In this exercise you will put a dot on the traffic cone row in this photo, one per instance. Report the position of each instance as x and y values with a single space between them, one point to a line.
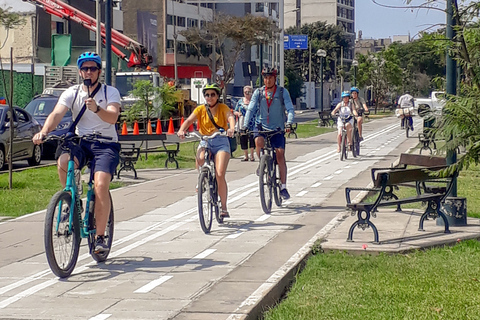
135 128
158 127
170 127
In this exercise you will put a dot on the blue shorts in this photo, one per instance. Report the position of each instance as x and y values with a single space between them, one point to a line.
277 139
105 156
219 143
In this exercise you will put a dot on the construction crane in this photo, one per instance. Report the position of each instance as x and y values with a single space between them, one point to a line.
139 57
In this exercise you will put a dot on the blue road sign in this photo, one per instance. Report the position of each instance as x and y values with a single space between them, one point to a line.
286 42
298 41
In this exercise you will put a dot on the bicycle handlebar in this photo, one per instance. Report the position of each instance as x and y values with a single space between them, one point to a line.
224 133
71 137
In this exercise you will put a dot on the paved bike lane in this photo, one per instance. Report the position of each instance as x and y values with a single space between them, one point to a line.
162 266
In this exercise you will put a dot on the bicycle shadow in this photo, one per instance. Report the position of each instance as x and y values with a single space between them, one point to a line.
117 266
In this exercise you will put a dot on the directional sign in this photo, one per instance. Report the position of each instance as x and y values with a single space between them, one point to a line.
298 41
286 42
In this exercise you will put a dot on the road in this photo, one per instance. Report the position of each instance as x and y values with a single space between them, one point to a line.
162 266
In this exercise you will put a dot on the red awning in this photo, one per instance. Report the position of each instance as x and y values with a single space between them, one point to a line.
185 72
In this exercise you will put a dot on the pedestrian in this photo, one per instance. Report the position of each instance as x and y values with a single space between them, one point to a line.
246 137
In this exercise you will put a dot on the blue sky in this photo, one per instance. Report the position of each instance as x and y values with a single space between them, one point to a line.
379 22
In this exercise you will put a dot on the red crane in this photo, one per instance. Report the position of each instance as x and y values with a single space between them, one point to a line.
139 56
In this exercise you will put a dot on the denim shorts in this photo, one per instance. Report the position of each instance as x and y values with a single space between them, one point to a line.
105 156
219 143
277 141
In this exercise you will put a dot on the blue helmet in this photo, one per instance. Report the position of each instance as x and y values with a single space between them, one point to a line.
345 94
352 89
89 56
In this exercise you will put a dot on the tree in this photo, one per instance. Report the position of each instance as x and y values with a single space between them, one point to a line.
9 20
321 36
230 35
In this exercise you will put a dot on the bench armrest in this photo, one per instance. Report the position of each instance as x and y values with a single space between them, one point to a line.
348 190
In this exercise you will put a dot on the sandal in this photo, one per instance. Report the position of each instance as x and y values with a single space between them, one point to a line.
245 159
224 214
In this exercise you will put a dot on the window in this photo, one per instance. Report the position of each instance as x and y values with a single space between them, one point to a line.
191 23
181 21
203 24
21 116
169 44
259 7
170 19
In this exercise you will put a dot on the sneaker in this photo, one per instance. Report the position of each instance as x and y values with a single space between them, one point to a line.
284 194
411 128
100 245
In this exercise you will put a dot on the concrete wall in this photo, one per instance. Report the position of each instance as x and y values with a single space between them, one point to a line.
20 39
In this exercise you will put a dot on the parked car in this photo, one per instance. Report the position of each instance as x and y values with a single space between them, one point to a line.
24 128
40 107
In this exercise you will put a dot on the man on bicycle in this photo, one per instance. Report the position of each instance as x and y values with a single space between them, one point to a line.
406 102
360 106
269 103
102 107
345 111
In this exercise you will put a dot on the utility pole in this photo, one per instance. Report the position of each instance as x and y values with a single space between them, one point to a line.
98 34
451 69
108 42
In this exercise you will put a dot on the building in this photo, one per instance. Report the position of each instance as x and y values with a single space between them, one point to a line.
336 12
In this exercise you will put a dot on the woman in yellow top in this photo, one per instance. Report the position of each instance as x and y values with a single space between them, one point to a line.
220 145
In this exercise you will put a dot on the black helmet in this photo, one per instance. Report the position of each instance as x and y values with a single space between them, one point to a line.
267 71
212 86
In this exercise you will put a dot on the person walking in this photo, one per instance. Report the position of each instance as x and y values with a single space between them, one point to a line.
101 105
268 105
246 138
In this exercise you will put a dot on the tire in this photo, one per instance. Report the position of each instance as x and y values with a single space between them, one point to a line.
407 127
62 246
36 156
216 201
205 205
2 158
265 183
276 188
356 144
343 153
100 257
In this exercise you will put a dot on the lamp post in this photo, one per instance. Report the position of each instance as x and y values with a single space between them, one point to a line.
355 65
322 54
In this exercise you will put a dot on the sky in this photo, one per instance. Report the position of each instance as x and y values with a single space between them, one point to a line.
380 22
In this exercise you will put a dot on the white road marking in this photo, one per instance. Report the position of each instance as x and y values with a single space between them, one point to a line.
153 284
316 185
202 255
328 178
338 171
101 316
263 218
301 193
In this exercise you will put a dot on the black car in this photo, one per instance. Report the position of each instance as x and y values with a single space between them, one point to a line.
24 128
40 107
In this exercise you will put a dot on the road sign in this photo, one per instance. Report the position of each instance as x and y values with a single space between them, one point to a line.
298 41
286 42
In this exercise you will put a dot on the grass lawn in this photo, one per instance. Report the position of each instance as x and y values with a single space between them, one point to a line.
441 283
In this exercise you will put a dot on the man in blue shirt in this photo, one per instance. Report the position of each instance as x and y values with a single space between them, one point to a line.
268 105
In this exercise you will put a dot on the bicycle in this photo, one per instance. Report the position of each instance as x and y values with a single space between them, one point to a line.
356 135
344 140
66 223
208 199
269 174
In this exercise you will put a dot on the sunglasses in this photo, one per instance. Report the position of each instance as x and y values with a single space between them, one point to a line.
248 92
92 69
208 95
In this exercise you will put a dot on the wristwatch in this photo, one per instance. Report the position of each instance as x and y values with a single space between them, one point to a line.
98 109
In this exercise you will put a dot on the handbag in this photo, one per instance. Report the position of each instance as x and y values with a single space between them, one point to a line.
232 140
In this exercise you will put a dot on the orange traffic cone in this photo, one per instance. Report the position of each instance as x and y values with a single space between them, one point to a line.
124 128
182 121
149 127
158 129
135 128
190 129
170 127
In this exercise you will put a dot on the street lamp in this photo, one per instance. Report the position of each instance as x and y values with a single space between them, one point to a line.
355 65
322 54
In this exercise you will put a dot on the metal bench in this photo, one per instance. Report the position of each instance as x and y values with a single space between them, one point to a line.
325 119
128 157
430 189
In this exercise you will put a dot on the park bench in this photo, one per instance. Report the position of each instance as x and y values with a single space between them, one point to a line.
325 119
129 152
429 189
293 130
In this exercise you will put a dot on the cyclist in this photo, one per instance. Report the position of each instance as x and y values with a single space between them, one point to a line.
268 105
406 102
102 107
360 106
345 110
220 145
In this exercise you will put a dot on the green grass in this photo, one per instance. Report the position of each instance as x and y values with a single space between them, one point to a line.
31 190
311 128
441 283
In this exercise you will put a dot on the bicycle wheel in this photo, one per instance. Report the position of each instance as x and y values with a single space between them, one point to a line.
62 242
343 153
205 205
356 143
100 257
265 183
407 127
216 201
277 186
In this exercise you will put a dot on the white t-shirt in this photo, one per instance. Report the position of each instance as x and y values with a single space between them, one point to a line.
90 121
405 101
